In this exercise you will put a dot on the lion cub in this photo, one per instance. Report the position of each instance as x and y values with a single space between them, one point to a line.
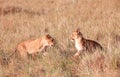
34 46
82 44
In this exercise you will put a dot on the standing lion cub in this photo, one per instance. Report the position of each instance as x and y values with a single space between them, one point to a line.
82 44
34 46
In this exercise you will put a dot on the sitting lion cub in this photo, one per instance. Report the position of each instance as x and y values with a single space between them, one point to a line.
82 44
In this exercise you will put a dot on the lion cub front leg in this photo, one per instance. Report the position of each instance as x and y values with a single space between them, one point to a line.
33 56
76 55
45 53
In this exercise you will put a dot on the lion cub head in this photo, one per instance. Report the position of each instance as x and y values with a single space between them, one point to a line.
75 35
49 40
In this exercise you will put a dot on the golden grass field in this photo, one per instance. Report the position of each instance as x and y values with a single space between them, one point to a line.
98 20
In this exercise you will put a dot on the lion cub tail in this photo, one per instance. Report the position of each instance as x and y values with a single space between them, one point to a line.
12 53
8 57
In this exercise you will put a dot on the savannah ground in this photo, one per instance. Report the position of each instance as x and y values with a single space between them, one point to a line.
98 20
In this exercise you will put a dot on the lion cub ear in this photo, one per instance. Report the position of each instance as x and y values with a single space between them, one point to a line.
48 36
78 30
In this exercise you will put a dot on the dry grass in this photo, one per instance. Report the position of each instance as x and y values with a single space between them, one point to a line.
97 19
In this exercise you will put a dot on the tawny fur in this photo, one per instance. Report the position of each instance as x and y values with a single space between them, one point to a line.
83 44
34 46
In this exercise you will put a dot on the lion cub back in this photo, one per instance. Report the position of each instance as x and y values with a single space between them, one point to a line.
91 45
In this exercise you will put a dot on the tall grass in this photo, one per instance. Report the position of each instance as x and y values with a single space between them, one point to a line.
98 20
